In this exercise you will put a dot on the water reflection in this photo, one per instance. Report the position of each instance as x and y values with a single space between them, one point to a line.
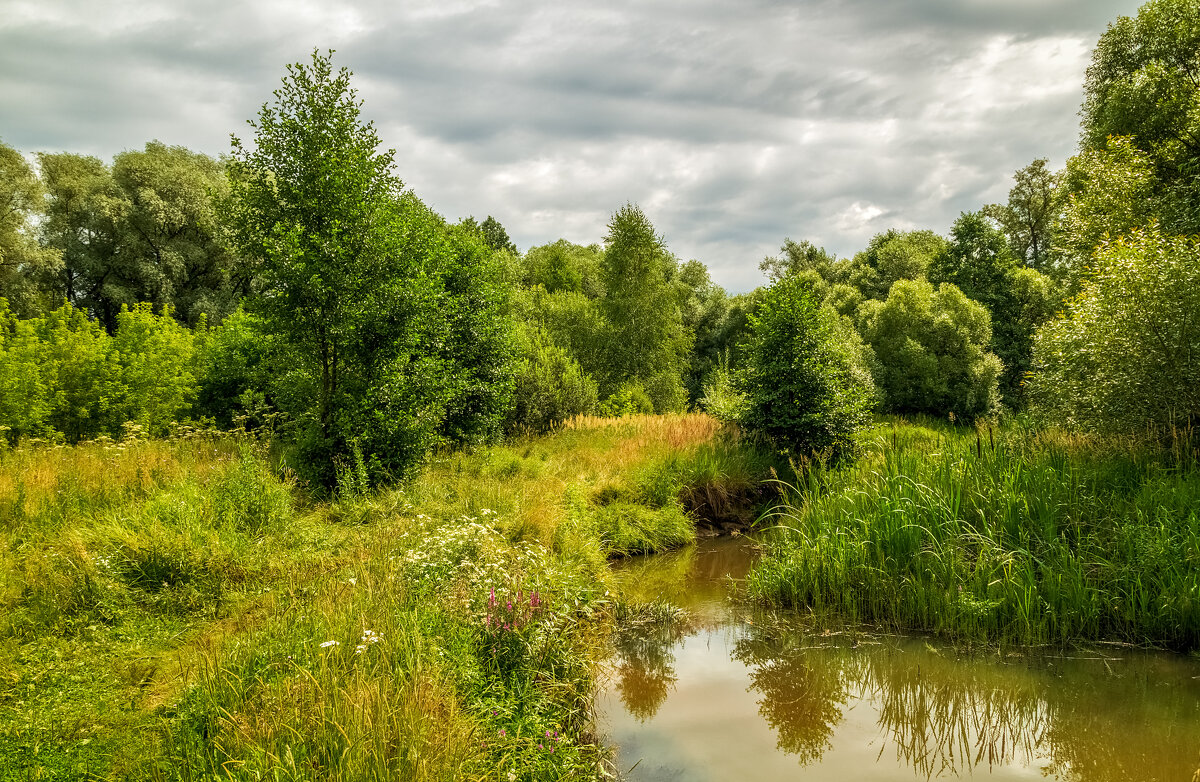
883 707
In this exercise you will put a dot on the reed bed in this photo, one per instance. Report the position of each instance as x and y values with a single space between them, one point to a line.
985 535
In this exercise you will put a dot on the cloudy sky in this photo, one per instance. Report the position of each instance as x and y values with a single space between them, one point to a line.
733 124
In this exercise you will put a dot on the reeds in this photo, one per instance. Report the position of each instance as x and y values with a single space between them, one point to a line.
1030 538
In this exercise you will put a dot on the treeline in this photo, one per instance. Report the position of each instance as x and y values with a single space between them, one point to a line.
298 282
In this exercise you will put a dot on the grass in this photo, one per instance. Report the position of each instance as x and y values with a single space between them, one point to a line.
178 610
982 535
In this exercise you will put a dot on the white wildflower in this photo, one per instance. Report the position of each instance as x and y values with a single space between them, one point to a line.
328 644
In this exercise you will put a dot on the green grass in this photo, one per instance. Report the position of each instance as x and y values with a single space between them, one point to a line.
1030 538
163 605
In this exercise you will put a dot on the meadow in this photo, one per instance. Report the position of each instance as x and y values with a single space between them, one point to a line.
183 608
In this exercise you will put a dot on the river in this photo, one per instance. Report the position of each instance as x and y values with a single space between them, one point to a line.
733 693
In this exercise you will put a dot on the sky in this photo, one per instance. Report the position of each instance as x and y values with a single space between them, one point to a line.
734 125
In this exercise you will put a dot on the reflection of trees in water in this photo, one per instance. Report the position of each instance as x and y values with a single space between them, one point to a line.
645 659
947 716
801 701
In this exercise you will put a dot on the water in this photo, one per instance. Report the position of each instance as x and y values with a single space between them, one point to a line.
734 694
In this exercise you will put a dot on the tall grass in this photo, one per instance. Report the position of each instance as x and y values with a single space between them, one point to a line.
163 605
1031 538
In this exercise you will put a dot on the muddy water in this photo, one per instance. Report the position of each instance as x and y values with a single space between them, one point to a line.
730 694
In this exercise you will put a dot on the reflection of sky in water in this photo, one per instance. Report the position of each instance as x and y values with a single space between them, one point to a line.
737 701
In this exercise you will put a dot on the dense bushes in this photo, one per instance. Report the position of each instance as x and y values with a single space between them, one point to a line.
1124 356
799 381
64 377
931 349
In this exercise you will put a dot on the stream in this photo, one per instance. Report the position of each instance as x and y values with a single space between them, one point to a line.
731 692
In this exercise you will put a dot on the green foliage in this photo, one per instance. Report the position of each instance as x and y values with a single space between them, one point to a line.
1110 191
391 321
931 350
23 262
550 386
1142 84
889 257
647 343
1019 299
64 376
1029 219
994 536
801 388
1122 358
157 378
562 266
234 361
146 230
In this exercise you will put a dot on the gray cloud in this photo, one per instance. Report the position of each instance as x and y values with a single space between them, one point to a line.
732 124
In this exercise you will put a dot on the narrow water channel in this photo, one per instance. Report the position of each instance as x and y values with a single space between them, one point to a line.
729 693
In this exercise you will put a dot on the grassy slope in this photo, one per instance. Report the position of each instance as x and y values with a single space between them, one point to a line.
173 610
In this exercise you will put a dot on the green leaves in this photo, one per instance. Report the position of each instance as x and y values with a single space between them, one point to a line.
800 383
1126 354
393 323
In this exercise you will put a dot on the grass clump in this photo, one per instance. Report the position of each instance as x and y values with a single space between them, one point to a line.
1009 536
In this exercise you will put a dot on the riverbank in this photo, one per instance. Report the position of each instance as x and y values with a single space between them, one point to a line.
183 610
1009 536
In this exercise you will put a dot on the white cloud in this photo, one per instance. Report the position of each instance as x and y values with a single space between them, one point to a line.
734 125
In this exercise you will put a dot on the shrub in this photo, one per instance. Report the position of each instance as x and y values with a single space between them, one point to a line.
1123 356
801 387
550 387
931 350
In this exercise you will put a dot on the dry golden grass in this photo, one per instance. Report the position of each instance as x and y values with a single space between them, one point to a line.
527 481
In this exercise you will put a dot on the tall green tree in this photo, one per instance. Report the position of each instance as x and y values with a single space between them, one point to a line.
23 261
392 322
1030 216
648 345
1144 82
980 263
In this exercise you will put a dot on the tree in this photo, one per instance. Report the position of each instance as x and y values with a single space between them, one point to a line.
1030 216
171 234
83 222
391 322
1126 353
563 266
1111 190
648 345
801 389
931 350
892 256
145 230
495 236
1144 82
798 256
980 263
23 262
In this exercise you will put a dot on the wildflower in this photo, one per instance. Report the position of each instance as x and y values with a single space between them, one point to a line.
502 732
512 776
352 581
328 644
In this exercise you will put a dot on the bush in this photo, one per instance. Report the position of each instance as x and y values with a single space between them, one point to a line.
550 387
801 387
931 351
1123 356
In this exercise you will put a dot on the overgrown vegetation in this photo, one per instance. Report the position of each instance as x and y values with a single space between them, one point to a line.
173 609
984 535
